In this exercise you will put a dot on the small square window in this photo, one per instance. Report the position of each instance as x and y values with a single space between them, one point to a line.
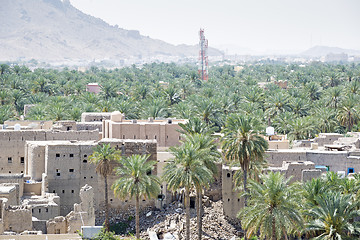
63 191
57 155
72 191
22 160
71 170
85 155
84 161
71 155
9 159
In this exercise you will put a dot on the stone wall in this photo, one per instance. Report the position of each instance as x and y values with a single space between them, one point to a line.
87 126
95 116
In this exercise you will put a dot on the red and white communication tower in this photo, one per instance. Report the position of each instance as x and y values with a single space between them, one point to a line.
203 56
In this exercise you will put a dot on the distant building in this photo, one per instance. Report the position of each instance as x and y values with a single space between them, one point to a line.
93 87
339 57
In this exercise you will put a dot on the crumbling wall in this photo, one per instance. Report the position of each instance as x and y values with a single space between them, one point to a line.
58 225
84 213
17 219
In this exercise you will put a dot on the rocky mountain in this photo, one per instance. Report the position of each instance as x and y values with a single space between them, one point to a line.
319 51
53 30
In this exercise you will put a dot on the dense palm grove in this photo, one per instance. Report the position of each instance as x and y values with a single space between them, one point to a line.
319 98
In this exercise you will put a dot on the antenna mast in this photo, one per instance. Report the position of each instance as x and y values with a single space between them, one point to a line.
203 56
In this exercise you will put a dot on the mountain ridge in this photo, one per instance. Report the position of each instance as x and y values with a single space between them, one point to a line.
318 51
55 30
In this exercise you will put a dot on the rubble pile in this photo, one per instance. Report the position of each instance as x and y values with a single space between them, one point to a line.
169 223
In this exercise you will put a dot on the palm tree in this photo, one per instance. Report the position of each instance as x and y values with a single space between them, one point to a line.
195 125
348 114
313 189
210 157
186 171
272 209
301 128
276 104
334 96
103 157
134 181
334 217
242 143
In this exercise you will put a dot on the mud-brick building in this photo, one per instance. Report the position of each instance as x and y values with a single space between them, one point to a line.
165 132
67 167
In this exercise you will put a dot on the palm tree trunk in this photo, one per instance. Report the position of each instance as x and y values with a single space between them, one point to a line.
349 126
106 205
245 190
273 237
199 212
137 216
187 206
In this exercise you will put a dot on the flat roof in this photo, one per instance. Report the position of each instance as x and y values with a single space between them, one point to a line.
7 189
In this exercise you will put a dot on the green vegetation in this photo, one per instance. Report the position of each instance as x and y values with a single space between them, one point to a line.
319 98
324 208
103 157
136 181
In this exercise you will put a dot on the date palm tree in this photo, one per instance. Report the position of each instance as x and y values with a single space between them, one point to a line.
134 182
348 111
186 171
210 157
242 143
103 157
272 208
334 217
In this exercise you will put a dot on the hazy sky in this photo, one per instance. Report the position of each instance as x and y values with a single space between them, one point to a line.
259 25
